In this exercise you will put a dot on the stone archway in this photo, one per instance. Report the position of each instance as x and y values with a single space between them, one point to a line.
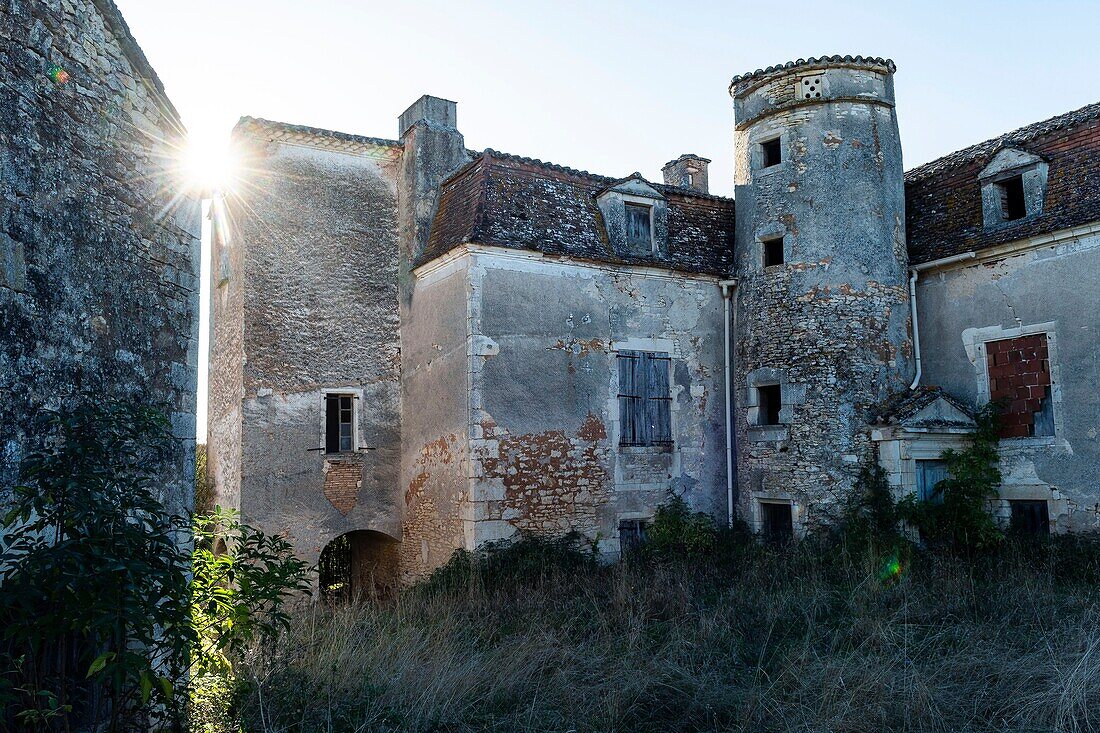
358 565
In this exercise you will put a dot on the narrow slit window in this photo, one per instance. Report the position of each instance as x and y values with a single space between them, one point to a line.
770 400
339 423
645 400
638 230
773 251
771 152
1013 203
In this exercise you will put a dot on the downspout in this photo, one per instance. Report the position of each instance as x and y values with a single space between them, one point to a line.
728 287
914 272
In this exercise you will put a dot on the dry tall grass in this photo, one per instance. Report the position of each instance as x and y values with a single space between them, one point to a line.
761 641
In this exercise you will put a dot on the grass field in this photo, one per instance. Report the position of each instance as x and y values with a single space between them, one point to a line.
803 639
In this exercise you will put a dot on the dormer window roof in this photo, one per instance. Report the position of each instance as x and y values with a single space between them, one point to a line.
1013 187
635 216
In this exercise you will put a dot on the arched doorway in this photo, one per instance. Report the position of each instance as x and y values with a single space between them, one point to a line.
357 565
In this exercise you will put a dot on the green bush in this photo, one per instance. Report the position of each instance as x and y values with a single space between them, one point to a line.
93 598
960 518
678 532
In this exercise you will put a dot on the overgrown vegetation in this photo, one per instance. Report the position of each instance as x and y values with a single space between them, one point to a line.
102 624
856 628
958 517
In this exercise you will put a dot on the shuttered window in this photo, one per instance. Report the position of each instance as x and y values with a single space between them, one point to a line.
637 226
644 398
339 428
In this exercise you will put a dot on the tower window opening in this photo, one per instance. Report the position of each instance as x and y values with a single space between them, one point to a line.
770 400
772 152
773 251
1013 203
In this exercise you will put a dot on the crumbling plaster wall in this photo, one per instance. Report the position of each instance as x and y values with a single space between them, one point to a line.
313 249
99 241
1051 289
545 454
435 381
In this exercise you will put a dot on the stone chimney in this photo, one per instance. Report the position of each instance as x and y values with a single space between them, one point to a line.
687 171
432 150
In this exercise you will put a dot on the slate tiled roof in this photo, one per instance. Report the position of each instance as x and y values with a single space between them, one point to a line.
814 61
943 199
904 405
521 203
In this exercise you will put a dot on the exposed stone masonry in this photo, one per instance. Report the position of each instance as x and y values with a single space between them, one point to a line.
99 243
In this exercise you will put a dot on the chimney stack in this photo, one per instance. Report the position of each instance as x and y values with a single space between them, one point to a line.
687 171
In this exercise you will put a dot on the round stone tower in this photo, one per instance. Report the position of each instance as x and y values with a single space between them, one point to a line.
822 323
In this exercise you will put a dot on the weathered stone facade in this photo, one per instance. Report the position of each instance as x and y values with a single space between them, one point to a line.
99 241
541 349
829 324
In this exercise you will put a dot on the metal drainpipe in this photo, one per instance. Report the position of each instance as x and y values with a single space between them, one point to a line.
731 440
913 274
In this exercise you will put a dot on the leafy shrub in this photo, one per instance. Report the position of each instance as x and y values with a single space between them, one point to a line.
93 597
960 518
524 559
678 532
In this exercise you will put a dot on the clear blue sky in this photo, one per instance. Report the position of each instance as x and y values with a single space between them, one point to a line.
610 87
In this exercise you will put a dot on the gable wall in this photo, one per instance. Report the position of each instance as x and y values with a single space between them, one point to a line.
1048 290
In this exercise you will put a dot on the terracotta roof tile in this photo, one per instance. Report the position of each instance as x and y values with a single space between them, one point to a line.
943 198
814 61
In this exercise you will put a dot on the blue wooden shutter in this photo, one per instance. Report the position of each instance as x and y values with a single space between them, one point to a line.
631 398
658 399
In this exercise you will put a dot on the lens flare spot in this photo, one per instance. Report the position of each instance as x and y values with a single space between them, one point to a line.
57 74
891 570
208 164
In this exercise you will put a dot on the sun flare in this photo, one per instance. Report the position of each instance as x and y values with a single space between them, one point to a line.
208 164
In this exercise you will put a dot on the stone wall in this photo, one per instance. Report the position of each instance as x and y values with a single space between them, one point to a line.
1043 288
99 243
830 324
544 413
305 304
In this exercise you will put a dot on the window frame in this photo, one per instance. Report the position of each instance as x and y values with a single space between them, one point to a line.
768 246
1012 200
641 376
766 145
764 405
338 395
631 242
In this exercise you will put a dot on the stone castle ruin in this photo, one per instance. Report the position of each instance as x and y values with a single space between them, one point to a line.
419 347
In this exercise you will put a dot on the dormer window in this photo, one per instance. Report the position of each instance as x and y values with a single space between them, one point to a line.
638 226
1013 187
635 217
1011 193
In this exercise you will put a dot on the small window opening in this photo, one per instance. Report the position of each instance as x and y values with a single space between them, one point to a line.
778 522
772 152
631 535
770 400
1013 204
773 251
637 225
339 425
1030 517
